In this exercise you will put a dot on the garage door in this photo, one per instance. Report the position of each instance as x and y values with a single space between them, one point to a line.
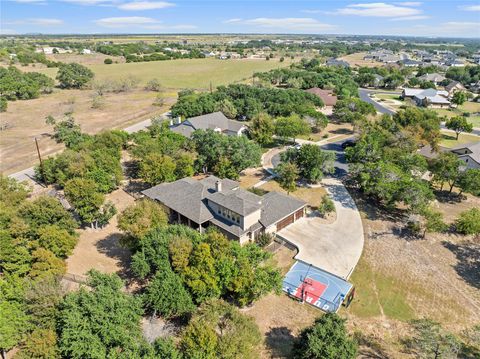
299 214
285 222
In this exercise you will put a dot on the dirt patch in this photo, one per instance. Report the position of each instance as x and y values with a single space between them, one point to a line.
25 121
251 176
313 196
100 249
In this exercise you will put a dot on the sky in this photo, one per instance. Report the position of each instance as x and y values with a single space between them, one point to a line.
440 18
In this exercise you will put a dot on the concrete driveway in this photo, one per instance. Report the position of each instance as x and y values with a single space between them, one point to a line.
335 247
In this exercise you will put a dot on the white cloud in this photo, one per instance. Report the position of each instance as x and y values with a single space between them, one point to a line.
288 23
125 21
470 7
145 5
378 9
409 3
410 18
89 2
36 22
170 27
449 29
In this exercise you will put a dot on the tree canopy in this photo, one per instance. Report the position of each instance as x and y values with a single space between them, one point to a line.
74 75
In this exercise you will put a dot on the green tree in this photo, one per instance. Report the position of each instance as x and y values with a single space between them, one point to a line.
83 195
180 249
446 168
156 168
352 110
57 240
431 341
287 176
291 127
469 181
40 344
261 129
311 160
327 339
101 322
166 348
166 295
459 98
219 330
459 124
184 165
46 265
227 108
468 222
13 325
3 104
225 169
141 217
74 75
45 211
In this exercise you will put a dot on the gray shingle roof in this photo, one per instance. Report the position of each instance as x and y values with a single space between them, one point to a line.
237 200
277 206
209 121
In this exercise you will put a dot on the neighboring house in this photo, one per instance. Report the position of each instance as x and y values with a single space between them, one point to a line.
475 87
428 97
410 63
454 63
378 80
468 153
215 121
453 87
337 62
86 51
435 78
327 96
239 214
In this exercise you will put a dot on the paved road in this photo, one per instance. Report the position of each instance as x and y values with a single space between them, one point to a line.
334 247
364 96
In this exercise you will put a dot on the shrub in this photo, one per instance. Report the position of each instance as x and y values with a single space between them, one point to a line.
469 222
153 85
108 61
326 206
3 104
264 239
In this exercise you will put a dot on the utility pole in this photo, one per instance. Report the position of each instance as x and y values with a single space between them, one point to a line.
211 90
41 162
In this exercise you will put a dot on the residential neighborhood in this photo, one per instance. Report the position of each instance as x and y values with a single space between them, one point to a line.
239 180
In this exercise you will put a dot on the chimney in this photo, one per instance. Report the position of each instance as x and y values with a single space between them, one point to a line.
218 186
179 120
171 122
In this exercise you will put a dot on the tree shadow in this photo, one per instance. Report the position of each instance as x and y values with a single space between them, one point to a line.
448 197
342 131
134 187
369 347
280 341
468 257
111 247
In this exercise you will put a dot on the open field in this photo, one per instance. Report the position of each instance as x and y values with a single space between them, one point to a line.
25 121
356 59
87 59
184 73
448 139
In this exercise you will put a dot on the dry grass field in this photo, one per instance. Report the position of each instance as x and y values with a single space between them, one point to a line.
25 121
184 73
356 59
87 59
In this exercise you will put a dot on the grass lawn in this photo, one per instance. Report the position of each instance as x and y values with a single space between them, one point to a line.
184 73
377 293
470 107
385 96
448 139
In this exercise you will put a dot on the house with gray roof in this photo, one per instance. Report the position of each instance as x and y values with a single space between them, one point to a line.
427 97
237 213
215 121
435 78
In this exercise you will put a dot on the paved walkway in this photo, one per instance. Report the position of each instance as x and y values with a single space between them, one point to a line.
335 247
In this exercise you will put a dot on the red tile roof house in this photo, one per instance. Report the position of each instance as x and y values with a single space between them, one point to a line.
327 96
237 213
